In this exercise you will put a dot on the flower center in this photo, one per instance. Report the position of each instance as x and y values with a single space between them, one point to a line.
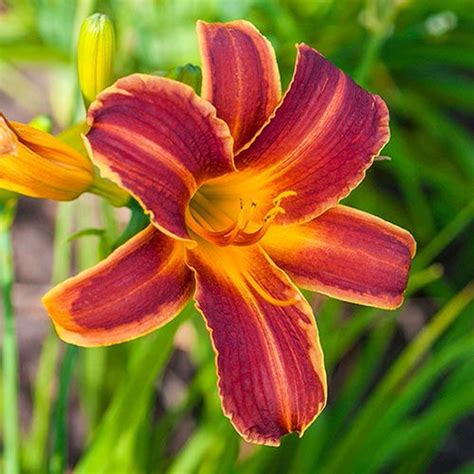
207 219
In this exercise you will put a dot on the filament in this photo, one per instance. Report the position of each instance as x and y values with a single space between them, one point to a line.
267 296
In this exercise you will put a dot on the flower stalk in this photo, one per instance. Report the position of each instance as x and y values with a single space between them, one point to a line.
57 464
102 187
10 351
380 20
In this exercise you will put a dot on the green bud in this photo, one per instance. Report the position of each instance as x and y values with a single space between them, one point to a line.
95 56
42 122
188 74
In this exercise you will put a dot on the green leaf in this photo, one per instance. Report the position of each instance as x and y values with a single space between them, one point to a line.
340 456
130 401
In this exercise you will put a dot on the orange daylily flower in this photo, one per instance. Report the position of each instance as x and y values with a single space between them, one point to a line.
242 188
36 164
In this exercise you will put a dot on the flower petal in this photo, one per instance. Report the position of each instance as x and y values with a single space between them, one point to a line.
137 289
347 254
323 136
240 76
156 138
269 361
36 164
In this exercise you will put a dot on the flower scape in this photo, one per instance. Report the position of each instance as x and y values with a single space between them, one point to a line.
242 186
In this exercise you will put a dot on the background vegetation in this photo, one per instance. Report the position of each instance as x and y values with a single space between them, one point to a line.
401 383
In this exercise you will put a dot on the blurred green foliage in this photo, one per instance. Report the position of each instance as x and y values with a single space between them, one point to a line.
400 382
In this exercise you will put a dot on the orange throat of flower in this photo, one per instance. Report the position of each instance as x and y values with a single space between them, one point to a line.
205 218
211 220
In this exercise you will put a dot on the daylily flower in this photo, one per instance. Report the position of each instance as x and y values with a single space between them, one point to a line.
242 188
36 164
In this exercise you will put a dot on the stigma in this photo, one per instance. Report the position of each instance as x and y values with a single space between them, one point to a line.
203 213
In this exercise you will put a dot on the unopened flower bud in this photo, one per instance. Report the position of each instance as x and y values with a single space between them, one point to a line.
188 74
36 164
95 56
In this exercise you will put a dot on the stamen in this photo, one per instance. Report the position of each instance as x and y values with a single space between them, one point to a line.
283 195
245 238
233 234
199 225
201 221
195 226
272 213
248 216
267 296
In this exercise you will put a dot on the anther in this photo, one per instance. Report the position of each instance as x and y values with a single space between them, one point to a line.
276 202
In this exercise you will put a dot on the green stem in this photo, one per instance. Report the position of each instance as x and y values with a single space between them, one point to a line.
371 52
10 350
379 31
110 191
35 445
61 268
58 459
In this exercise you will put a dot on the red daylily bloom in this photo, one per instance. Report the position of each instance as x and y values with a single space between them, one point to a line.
242 188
